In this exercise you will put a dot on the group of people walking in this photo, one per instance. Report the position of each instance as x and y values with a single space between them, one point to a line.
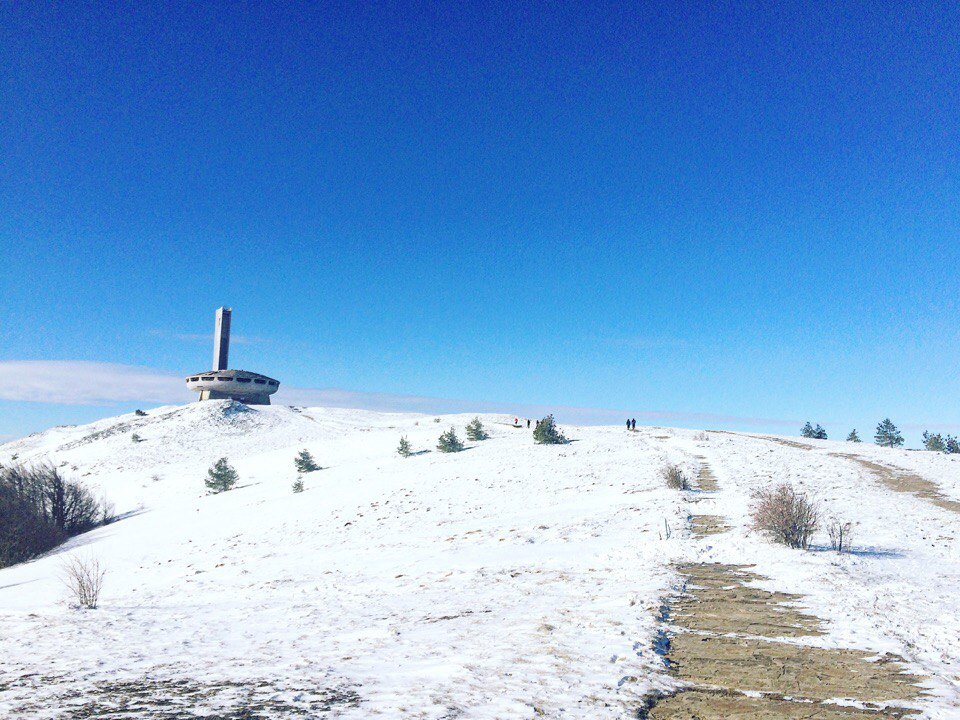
631 423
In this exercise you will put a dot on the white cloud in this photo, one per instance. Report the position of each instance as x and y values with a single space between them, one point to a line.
77 382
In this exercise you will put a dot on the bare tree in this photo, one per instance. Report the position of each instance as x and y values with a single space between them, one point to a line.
841 534
675 477
84 580
108 511
786 515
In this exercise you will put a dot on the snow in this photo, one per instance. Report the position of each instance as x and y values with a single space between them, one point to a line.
505 581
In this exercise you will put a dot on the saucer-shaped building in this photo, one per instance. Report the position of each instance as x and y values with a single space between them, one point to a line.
223 384
242 385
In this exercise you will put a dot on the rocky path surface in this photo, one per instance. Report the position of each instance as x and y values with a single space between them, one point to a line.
743 652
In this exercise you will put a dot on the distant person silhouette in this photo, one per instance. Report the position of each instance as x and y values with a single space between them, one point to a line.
528 423
633 424
628 423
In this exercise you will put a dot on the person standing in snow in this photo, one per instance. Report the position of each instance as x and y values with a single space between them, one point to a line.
633 424
628 423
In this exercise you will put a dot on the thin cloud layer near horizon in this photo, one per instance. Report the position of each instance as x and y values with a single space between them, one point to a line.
64 382
109 388
727 216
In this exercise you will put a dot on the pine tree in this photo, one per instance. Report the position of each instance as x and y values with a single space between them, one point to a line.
298 485
449 442
888 435
476 431
404 450
547 433
934 442
305 462
853 437
819 433
221 477
951 445
807 430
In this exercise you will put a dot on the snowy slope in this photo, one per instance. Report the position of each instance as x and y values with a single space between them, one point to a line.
509 580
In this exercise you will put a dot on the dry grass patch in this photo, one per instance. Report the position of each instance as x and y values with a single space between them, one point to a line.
786 515
675 478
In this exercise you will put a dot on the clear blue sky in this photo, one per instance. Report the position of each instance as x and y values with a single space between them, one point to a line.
747 209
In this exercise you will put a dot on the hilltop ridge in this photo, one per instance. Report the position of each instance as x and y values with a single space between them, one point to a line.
507 580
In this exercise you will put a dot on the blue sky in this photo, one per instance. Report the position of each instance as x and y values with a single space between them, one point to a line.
739 216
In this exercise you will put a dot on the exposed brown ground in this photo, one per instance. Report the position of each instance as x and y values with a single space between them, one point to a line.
723 705
730 639
894 478
704 525
903 481
705 478
781 441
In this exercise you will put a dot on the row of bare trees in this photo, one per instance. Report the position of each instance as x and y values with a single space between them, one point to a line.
39 509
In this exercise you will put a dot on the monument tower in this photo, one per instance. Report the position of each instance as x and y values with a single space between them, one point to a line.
223 384
221 339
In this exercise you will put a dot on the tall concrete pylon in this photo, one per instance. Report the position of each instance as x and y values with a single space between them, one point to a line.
221 339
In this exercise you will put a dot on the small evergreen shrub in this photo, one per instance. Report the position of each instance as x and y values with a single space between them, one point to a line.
298 485
221 477
305 462
853 437
785 515
807 431
139 413
940 443
476 431
449 442
547 433
819 433
136 438
404 450
888 435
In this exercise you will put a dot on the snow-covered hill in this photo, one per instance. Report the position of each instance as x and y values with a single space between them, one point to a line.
509 580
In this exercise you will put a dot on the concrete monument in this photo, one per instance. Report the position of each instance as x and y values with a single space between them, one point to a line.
222 384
